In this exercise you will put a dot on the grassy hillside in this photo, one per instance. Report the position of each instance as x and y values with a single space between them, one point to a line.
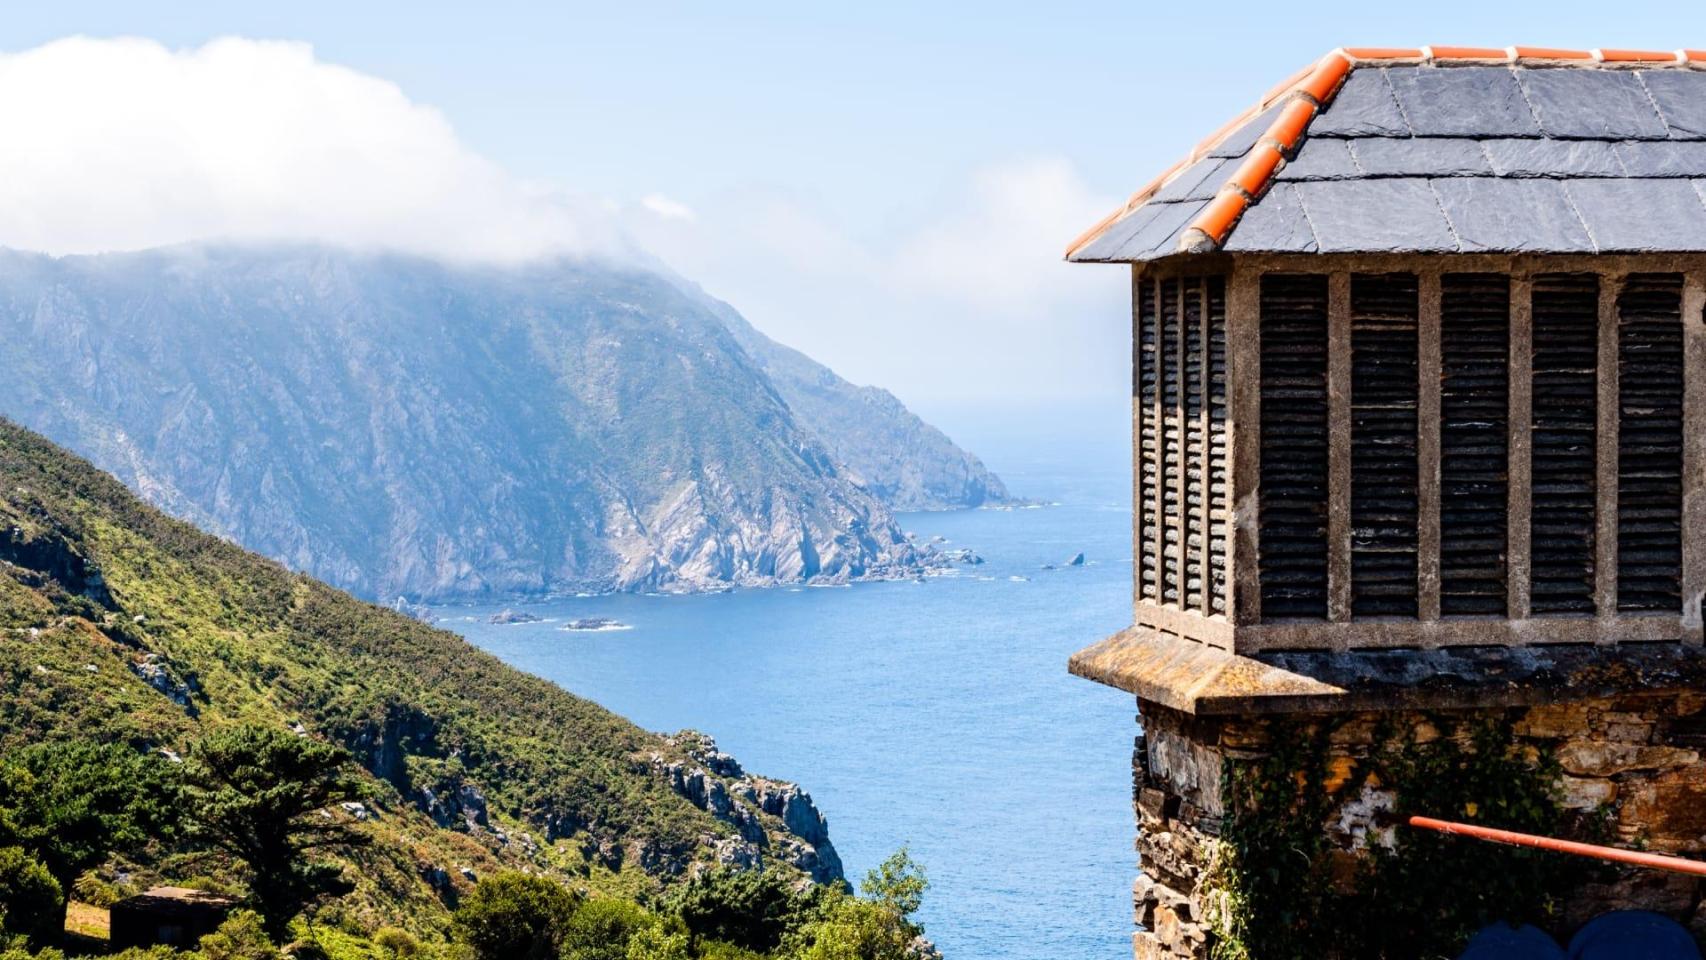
118 623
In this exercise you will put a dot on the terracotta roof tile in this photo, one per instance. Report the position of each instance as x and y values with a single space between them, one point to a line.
1637 56
1514 113
1466 53
1547 53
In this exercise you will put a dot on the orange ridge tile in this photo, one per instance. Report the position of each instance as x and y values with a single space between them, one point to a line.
1323 81
1215 220
1383 53
1287 128
1634 56
1465 53
1257 169
1547 53
1691 56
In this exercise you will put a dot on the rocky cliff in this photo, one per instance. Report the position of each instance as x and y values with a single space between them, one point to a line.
887 448
401 427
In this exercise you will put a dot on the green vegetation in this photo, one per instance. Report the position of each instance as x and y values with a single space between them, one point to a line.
174 710
897 883
1283 891
243 936
71 806
601 928
31 904
257 795
751 910
515 916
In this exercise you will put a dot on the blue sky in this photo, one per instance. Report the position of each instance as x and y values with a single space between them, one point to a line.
877 135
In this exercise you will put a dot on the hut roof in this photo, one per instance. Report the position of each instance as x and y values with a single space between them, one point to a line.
1441 150
172 900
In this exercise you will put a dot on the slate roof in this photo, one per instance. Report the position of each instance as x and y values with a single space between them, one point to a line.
1441 150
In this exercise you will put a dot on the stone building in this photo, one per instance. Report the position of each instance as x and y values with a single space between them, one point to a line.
170 916
1419 430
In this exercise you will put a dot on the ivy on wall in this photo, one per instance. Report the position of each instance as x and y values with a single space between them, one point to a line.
1281 887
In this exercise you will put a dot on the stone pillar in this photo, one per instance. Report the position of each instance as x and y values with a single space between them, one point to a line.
1272 793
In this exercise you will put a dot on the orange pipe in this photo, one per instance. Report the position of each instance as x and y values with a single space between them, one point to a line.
1657 861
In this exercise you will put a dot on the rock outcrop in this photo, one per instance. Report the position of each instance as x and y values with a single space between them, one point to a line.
755 806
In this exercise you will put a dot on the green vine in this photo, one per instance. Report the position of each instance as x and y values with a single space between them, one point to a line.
1278 888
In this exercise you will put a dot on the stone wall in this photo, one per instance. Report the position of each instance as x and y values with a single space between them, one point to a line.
1633 766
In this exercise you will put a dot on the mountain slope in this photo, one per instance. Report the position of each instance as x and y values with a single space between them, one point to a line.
118 623
907 463
396 426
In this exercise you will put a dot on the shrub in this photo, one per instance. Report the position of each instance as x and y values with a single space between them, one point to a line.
718 950
31 903
242 936
158 951
601 928
515 916
897 883
96 890
857 930
656 943
751 909
398 943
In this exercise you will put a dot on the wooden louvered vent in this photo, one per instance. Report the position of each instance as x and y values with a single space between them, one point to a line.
1172 440
1292 566
1219 489
1562 524
1181 444
1649 444
1147 444
1474 442
1194 475
1432 458
1383 444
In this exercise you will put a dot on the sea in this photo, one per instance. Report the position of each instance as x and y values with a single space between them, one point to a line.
935 715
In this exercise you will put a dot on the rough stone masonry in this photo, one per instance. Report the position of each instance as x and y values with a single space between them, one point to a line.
1636 761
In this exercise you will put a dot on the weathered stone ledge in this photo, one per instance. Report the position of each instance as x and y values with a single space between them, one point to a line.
1206 681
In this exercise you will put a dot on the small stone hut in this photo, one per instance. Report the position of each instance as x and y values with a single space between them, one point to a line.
174 916
1419 497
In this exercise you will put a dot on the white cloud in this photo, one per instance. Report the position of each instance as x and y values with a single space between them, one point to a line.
1002 248
124 144
973 302
667 208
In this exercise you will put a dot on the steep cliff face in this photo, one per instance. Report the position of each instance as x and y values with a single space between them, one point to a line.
397 426
907 463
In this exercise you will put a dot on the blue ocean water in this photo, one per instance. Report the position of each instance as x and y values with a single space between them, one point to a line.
935 714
